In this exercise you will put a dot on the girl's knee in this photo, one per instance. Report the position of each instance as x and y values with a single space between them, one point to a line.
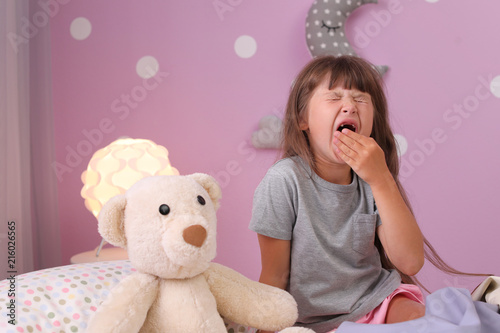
403 309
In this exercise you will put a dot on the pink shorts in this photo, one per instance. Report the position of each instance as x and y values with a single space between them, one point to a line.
377 315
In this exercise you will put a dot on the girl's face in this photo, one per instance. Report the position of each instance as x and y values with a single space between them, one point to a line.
329 110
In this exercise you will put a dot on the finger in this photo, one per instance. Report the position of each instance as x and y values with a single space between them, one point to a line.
348 140
343 156
344 151
354 136
348 159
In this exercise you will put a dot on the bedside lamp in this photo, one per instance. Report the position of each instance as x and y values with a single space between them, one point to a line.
111 171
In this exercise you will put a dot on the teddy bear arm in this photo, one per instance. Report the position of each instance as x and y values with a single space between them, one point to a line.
250 303
127 306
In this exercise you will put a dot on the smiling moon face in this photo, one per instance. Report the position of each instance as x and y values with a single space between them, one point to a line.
325 27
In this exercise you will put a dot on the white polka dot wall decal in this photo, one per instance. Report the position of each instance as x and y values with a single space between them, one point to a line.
495 86
245 46
432 1
147 67
401 143
80 28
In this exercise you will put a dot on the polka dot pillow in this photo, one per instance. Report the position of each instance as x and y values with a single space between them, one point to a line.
62 299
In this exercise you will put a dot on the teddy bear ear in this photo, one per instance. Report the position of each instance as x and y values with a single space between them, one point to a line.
210 185
111 221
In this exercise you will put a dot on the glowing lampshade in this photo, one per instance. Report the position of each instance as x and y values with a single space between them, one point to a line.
116 167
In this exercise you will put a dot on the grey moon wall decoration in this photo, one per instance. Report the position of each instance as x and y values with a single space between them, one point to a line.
325 27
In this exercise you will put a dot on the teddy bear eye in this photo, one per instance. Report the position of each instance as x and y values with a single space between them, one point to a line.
164 209
201 200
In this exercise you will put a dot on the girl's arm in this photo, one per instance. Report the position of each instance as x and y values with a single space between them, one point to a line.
399 233
275 257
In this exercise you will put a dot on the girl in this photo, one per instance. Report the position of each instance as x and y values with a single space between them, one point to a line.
333 222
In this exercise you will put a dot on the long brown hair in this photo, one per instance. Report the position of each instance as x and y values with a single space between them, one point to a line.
351 72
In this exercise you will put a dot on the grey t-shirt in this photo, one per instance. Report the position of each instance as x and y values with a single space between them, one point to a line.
335 272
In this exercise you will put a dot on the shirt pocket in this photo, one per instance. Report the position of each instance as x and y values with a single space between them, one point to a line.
364 233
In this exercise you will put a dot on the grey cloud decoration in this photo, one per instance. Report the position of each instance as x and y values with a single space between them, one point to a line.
269 134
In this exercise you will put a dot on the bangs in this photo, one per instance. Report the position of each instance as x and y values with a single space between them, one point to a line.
352 74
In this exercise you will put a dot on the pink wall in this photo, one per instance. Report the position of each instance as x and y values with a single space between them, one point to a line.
205 102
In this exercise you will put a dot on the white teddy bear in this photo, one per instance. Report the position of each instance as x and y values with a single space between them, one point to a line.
168 226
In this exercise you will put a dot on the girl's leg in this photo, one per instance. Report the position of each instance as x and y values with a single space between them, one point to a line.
402 308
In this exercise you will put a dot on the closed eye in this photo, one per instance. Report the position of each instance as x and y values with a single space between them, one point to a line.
329 28
361 98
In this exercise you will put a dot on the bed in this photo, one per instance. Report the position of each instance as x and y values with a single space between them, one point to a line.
62 299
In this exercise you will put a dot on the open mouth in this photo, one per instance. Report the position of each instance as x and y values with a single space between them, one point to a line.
348 126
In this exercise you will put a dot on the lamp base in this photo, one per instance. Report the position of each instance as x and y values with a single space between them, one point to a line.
108 254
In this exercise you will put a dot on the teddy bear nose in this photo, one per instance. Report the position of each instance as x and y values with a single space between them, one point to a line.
195 235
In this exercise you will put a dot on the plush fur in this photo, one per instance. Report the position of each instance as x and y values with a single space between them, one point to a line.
177 288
